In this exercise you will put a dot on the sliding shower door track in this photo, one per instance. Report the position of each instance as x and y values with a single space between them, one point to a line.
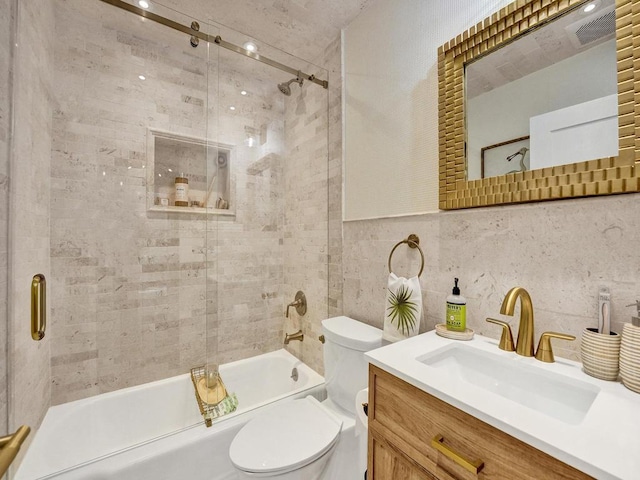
217 40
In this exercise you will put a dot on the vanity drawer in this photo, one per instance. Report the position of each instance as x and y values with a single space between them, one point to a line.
408 419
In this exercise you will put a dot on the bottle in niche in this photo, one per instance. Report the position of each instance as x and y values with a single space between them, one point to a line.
456 310
182 191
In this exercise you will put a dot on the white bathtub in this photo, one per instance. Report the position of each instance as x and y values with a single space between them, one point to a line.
103 436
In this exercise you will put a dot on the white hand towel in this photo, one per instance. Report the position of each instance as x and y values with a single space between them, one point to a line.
403 309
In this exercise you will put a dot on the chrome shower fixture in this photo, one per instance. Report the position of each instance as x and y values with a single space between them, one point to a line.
285 87
195 41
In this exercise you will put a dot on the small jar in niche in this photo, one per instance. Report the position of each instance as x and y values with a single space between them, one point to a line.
182 192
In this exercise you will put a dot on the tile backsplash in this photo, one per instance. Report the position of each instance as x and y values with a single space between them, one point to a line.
561 252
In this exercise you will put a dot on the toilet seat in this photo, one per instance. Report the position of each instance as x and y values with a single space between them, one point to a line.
287 437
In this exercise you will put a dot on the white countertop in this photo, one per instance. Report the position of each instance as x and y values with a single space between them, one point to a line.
604 444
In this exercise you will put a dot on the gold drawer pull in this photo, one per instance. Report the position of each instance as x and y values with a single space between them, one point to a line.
474 466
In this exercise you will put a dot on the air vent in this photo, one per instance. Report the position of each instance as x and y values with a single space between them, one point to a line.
599 26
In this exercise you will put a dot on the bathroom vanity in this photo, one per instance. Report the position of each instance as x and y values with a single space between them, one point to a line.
445 409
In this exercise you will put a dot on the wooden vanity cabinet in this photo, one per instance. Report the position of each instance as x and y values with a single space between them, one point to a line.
403 421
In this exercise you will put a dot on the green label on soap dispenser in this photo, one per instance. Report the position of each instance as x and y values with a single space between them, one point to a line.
456 317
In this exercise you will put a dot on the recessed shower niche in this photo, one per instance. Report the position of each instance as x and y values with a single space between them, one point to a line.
188 174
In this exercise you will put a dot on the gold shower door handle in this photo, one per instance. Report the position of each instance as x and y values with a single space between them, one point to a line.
38 306
474 466
10 446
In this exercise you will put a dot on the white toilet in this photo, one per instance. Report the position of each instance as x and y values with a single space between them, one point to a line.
295 440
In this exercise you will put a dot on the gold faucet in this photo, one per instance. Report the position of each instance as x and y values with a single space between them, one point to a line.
524 343
293 336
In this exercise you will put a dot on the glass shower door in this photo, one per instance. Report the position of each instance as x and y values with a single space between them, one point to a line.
126 256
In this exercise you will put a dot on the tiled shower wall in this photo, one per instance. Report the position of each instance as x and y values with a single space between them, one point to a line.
128 287
245 285
30 382
306 240
133 302
314 195
6 11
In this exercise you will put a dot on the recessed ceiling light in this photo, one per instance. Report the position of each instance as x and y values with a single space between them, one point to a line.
250 46
142 77
591 6
232 108
243 92
143 4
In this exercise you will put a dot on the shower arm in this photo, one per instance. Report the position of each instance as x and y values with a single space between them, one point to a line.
213 39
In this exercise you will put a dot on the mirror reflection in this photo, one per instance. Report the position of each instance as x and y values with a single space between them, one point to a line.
547 98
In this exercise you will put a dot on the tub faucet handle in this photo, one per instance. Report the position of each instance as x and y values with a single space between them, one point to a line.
300 303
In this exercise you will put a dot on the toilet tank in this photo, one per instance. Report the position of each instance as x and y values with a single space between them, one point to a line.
345 367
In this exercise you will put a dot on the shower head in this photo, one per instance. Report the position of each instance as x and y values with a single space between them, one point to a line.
285 87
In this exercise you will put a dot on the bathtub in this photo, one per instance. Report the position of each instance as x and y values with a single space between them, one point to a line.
102 437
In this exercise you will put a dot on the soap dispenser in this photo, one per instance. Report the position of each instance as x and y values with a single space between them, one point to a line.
456 310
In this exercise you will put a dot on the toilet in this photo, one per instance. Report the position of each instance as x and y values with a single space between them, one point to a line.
295 440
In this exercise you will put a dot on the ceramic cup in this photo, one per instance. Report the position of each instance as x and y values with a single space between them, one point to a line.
600 354
630 357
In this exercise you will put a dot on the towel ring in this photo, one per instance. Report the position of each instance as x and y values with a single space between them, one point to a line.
414 242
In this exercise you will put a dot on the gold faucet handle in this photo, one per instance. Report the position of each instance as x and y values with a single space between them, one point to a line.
506 340
544 353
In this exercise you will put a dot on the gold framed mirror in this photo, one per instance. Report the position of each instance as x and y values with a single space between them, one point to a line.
601 176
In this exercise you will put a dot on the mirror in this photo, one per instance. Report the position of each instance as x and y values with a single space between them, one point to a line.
547 98
536 103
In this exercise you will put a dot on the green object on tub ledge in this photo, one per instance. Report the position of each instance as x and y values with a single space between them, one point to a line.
226 406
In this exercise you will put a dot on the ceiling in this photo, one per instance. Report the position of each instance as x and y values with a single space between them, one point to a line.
303 28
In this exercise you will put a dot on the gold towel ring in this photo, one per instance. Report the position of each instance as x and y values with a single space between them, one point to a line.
414 242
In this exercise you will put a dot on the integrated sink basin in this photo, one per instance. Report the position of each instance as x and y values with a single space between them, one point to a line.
558 396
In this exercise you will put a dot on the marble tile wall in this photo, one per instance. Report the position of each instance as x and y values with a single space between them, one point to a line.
332 60
560 251
138 295
128 286
322 272
6 20
246 277
30 203
306 242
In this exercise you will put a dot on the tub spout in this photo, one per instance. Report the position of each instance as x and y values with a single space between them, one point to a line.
293 336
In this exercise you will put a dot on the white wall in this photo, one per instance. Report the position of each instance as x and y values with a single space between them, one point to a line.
391 103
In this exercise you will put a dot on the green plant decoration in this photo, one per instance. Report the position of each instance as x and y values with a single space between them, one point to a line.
402 311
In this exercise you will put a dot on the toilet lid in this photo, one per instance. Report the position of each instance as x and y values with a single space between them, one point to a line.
284 438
